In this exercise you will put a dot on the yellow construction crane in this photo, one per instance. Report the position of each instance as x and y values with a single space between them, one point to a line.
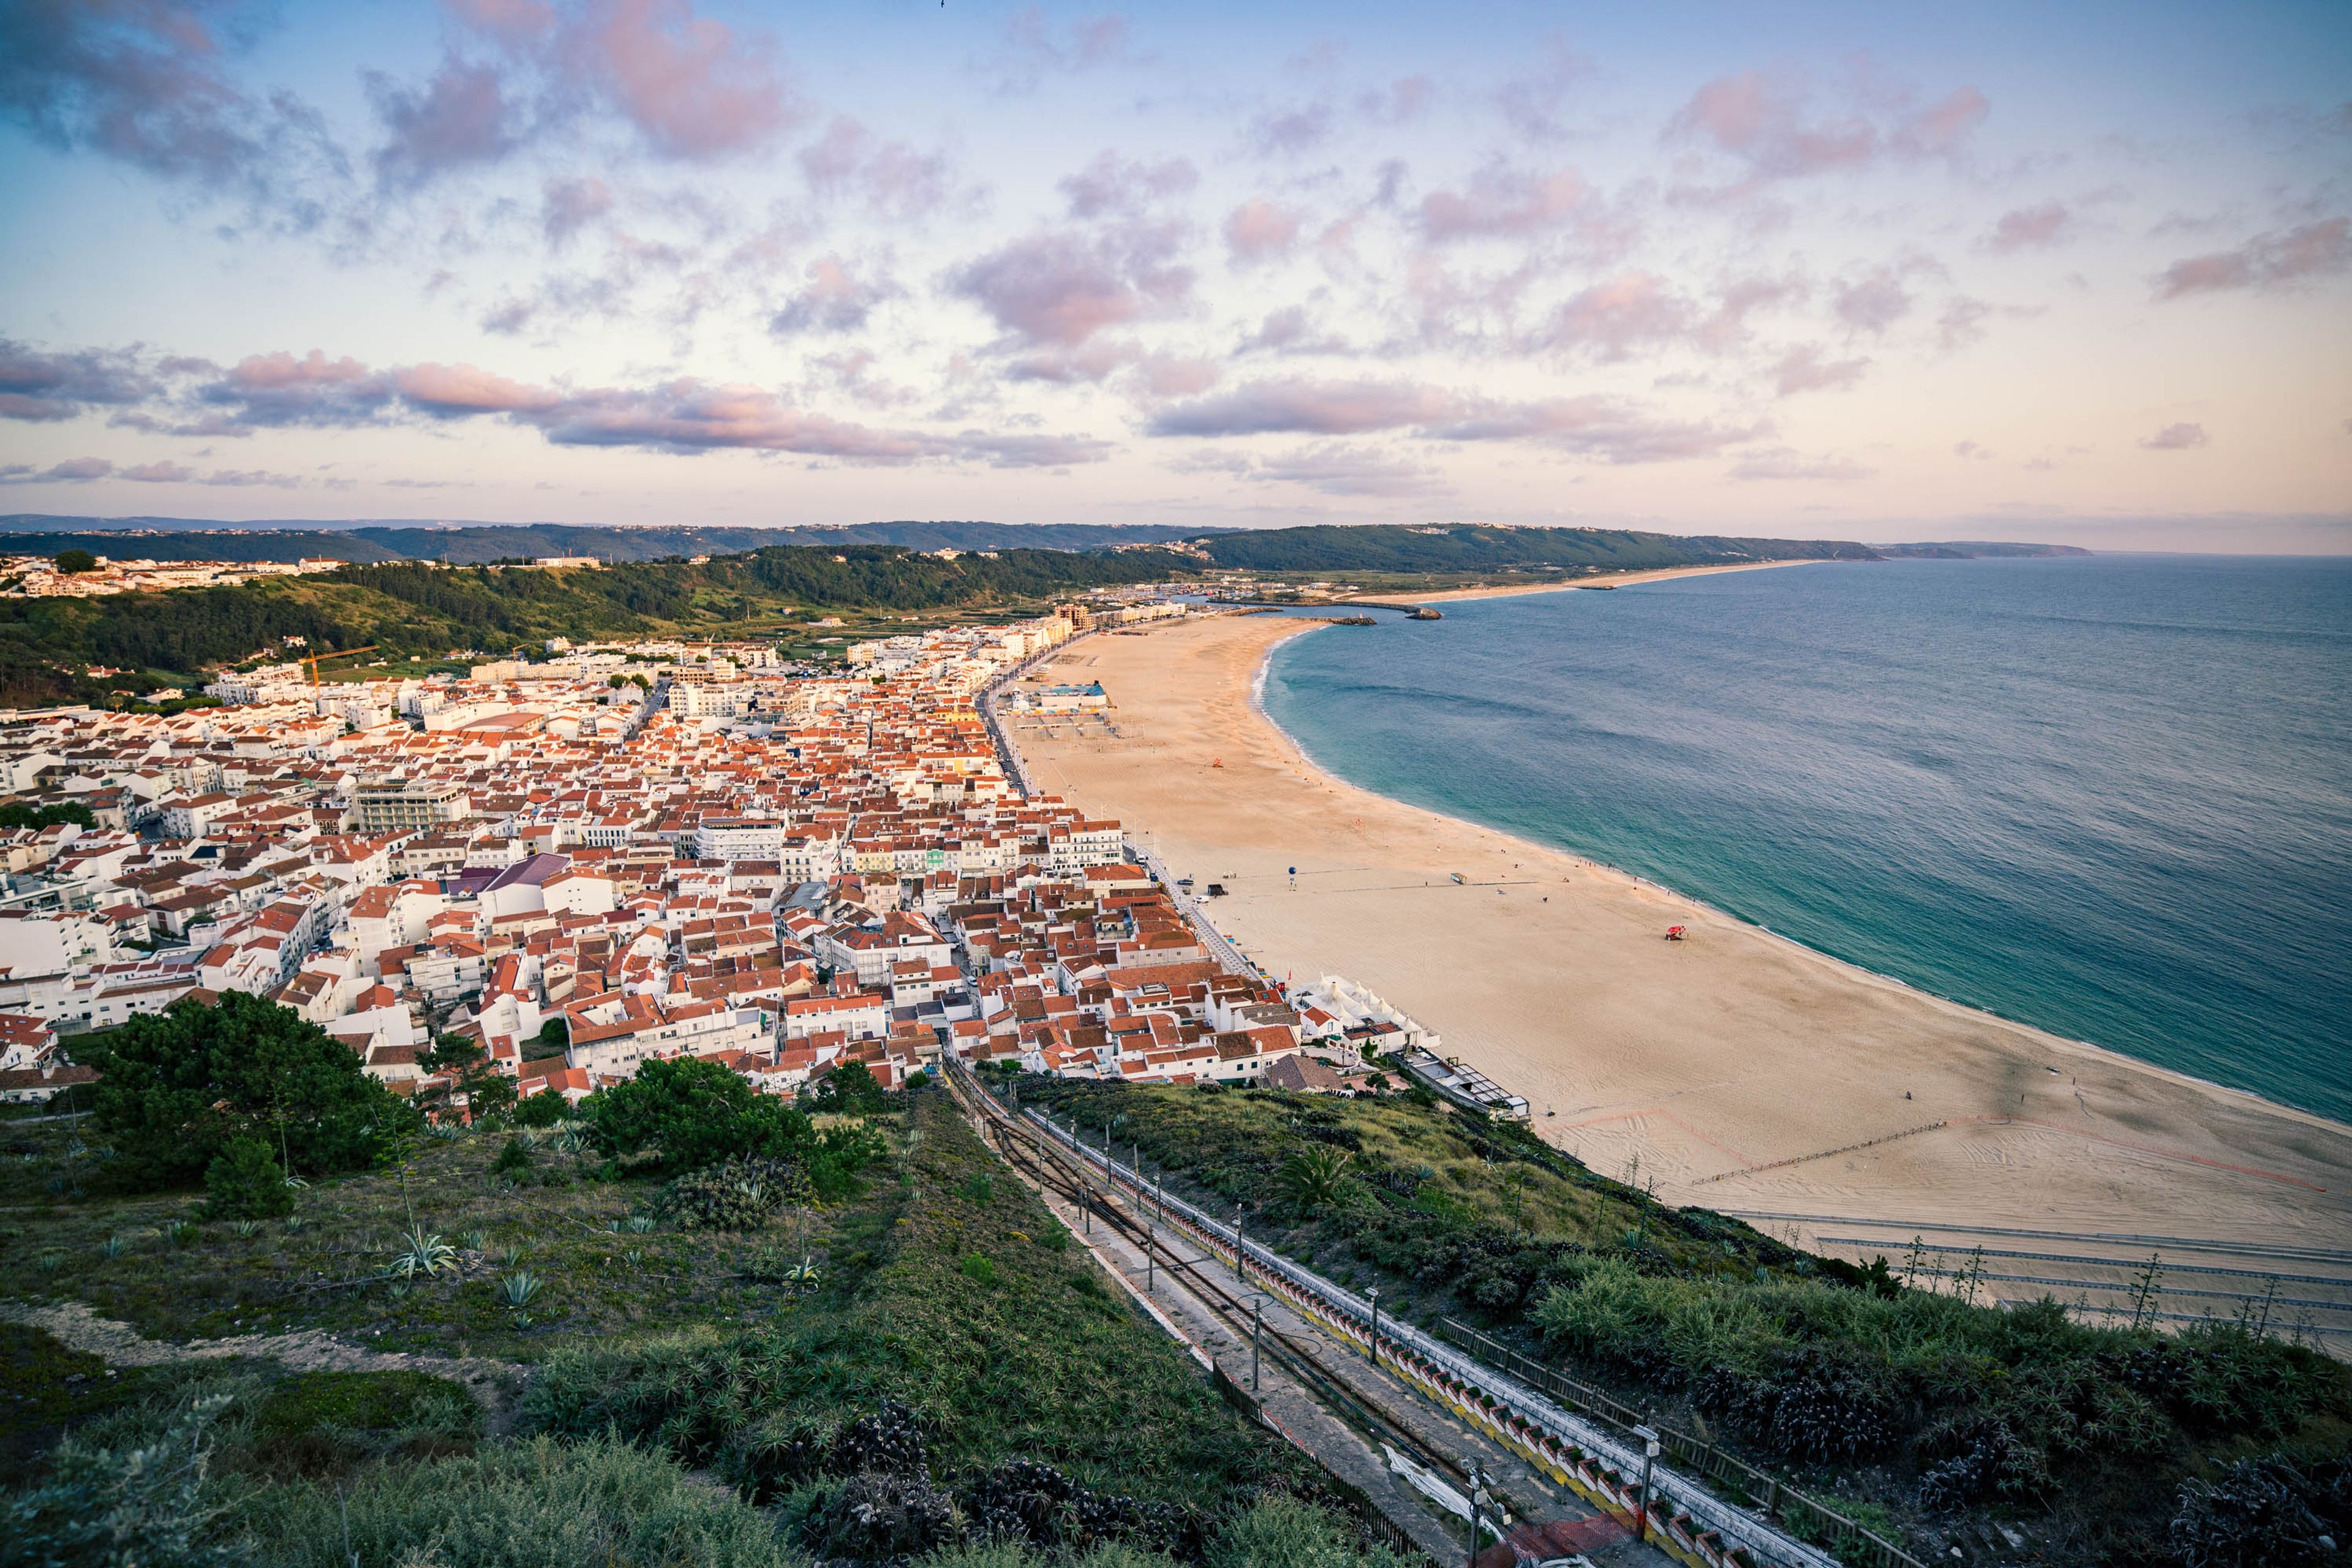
319 704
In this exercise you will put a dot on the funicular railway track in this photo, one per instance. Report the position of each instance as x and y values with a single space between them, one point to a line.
1052 1169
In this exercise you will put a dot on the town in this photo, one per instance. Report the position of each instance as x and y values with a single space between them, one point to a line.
624 852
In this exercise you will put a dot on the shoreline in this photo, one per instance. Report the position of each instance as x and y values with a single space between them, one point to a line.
1741 1069
1860 970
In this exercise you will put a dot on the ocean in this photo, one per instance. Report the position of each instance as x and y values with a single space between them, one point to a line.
2109 796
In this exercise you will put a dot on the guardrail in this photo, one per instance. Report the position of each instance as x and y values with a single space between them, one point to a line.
1532 1411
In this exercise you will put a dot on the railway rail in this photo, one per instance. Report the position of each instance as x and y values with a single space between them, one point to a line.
1594 1465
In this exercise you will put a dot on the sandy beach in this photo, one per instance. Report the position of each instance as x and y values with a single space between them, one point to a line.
1734 1069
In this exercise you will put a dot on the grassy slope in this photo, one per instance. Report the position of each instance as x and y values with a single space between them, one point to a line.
1855 1391
944 1284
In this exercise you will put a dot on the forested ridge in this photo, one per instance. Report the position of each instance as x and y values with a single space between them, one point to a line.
407 607
410 607
1477 547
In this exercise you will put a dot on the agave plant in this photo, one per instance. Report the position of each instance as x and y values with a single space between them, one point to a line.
180 1232
295 1221
112 1246
805 1273
51 1261
519 1288
635 1257
445 1132
568 1140
510 1255
1315 1178
245 1228
421 1254
474 1241
639 1224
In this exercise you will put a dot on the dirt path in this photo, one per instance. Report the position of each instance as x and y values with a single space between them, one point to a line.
492 1381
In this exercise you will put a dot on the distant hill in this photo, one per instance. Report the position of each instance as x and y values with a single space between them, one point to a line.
1971 549
1476 547
473 543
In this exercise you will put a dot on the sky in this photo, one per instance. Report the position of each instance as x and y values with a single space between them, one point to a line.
1884 271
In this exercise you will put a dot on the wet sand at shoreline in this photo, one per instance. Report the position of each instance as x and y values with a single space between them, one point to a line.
1734 1069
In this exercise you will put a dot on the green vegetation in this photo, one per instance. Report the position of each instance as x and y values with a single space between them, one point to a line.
416 611
1469 547
16 813
74 562
1913 1402
682 1115
408 608
177 1088
857 1394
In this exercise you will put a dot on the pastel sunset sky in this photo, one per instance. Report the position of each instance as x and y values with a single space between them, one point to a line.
2077 272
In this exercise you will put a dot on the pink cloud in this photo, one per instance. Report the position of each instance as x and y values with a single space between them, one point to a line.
688 83
1113 185
1872 302
1784 463
1596 427
2176 439
2268 261
1590 426
836 300
1062 287
891 179
459 119
447 390
566 207
1319 407
1504 202
1804 370
1765 123
73 470
1633 309
1033 48
1260 231
2029 228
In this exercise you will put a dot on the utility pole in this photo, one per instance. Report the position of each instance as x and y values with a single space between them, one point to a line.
1256 1304
1649 1458
1239 1279
1373 1293
1477 1516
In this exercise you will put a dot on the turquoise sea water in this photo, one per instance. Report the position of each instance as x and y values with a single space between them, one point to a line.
2109 796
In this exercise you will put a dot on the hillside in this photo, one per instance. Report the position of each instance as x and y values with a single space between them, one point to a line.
477 543
507 1345
408 609
1469 547
1889 1388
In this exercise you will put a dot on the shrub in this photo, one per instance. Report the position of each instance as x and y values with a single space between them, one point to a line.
129 1505
531 1505
326 1422
514 1156
688 1114
1314 1179
740 1194
2265 1512
978 1269
883 1517
1279 1530
244 1182
849 1089
542 1110
176 1088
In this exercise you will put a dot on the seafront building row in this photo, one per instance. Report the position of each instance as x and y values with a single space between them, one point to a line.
618 853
